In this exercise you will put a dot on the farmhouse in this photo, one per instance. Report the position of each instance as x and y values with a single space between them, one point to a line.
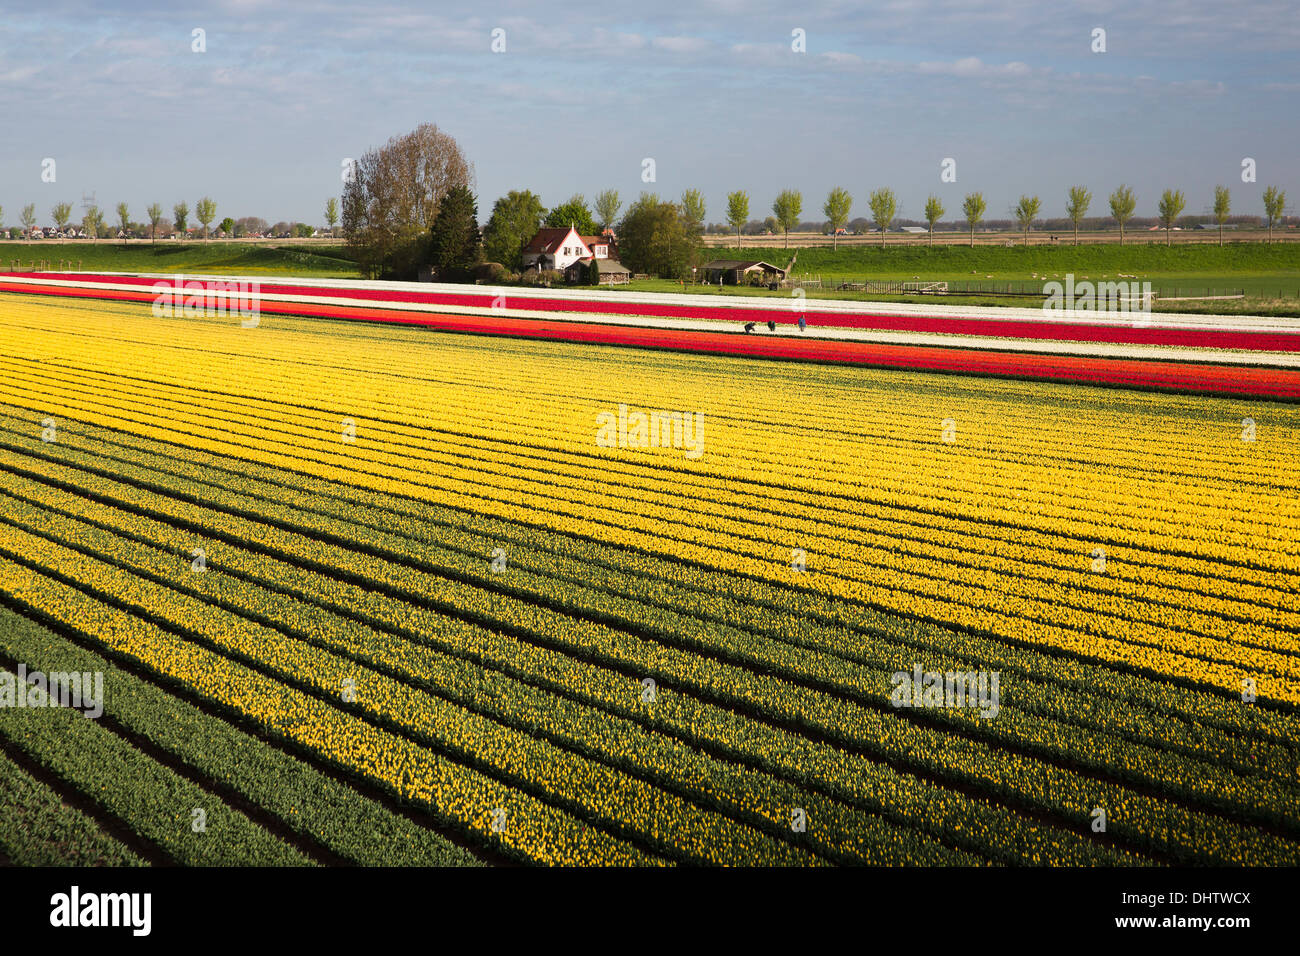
560 248
741 272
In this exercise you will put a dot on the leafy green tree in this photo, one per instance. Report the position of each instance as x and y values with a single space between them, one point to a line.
836 208
973 207
1222 206
28 217
1122 206
123 217
331 213
654 238
91 221
693 210
933 213
883 209
572 212
205 210
227 226
181 216
62 212
515 219
607 206
737 211
1274 207
1026 212
1169 209
786 207
454 236
154 212
1076 207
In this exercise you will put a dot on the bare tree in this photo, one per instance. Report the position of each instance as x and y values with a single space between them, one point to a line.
392 196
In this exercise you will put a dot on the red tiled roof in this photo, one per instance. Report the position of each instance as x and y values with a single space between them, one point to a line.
546 240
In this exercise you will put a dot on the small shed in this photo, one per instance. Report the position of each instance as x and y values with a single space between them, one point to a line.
611 271
741 272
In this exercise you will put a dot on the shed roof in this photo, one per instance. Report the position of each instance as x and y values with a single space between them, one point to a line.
743 264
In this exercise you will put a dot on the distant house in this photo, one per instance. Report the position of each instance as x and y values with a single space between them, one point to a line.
740 271
612 272
561 248
915 229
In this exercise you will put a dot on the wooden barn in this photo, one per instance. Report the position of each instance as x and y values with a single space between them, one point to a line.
741 272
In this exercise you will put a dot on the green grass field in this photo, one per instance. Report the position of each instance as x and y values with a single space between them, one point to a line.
1268 275
323 261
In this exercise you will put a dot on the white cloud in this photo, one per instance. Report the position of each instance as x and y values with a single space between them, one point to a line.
681 44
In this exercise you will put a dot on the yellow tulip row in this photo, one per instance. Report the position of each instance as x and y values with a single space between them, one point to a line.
885 588
639 582
788 702
319 385
1059 485
904 504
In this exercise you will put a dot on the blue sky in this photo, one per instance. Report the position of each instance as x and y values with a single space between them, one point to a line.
711 90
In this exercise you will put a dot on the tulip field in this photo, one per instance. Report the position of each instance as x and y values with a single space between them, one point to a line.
375 594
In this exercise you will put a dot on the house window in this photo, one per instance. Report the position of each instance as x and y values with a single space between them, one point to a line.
566 250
